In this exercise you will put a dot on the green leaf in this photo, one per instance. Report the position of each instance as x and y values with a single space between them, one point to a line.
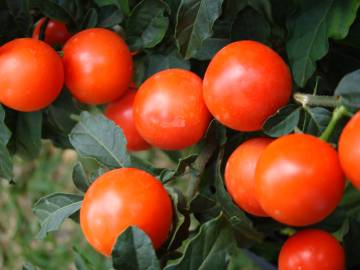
283 122
90 19
195 20
99 138
208 249
161 61
210 47
108 16
121 4
251 25
53 209
5 133
80 178
168 174
147 24
181 223
319 118
134 251
309 31
349 89
54 10
20 10
28 134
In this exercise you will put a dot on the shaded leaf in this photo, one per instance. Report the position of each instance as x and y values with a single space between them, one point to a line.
147 24
108 16
134 251
208 249
80 178
53 209
309 31
319 118
28 134
99 138
348 89
195 20
168 174
5 132
181 223
251 25
283 122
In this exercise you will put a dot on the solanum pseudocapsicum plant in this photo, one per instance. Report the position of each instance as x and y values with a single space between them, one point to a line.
248 99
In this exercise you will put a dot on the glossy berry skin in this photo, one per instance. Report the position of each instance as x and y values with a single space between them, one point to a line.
121 112
349 150
31 74
240 174
312 250
56 32
299 180
98 66
169 109
245 83
121 198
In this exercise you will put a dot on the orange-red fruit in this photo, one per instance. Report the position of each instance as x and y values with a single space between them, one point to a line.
98 66
169 109
56 32
245 83
299 180
121 112
349 150
31 74
240 174
121 198
312 250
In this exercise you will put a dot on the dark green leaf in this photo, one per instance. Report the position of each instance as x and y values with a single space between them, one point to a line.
168 174
28 134
208 249
309 31
5 133
251 25
90 19
181 223
283 122
109 16
54 10
210 47
349 90
20 10
195 20
122 4
319 118
99 138
147 24
134 251
80 178
162 61
52 210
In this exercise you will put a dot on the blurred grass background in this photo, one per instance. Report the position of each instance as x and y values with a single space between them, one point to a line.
50 173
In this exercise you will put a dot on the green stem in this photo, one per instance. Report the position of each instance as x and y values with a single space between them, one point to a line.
312 100
338 113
